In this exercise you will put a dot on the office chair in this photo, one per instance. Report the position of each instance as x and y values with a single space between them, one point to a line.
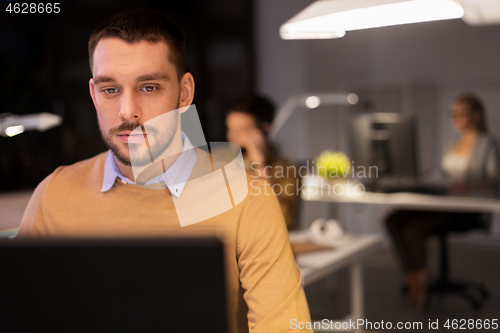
475 293
444 285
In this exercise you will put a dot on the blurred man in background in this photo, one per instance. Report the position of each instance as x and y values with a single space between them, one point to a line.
248 124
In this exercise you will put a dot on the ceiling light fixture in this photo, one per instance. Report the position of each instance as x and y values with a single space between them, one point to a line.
332 18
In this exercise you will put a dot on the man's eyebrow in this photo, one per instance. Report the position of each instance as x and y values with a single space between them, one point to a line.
145 77
153 77
101 79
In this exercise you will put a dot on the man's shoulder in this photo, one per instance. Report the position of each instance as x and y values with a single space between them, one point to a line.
213 162
59 190
82 171
244 185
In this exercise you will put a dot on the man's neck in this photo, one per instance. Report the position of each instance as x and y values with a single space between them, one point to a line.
126 170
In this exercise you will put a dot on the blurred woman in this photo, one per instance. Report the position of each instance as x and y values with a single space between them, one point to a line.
471 169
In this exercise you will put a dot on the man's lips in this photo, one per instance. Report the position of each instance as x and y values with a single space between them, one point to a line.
131 137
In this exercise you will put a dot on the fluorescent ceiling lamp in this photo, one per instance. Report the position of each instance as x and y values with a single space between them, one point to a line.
332 18
481 12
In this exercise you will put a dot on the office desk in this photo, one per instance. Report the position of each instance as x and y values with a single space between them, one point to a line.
404 200
348 251
9 233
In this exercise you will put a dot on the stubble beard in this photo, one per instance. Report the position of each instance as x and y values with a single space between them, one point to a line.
139 154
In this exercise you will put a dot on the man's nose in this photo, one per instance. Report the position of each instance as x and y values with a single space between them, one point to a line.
130 107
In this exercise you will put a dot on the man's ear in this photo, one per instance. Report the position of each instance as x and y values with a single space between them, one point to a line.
91 90
186 91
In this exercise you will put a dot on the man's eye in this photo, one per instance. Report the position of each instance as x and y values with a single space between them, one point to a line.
110 91
149 88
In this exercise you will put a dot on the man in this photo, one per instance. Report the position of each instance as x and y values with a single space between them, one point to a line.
138 65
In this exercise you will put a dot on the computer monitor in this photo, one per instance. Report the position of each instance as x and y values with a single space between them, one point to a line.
148 285
385 141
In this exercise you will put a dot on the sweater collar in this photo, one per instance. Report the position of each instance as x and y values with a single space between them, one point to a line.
175 177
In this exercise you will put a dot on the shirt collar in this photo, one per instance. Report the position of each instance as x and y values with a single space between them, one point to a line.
175 177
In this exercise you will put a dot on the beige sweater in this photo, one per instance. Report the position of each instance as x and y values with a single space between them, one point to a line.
263 280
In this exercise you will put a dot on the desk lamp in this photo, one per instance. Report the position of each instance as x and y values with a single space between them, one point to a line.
11 125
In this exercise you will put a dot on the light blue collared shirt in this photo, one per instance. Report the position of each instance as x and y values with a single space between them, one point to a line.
175 177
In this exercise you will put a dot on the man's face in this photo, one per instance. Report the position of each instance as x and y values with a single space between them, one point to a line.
131 84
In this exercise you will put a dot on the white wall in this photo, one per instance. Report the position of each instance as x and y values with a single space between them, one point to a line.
445 52
447 55
280 65
416 69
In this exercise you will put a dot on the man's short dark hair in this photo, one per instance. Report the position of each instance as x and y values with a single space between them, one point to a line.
143 25
261 108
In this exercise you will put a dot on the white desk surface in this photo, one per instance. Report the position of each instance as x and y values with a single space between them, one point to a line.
407 200
349 249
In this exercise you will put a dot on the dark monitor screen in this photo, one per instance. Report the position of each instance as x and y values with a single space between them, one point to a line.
153 285
387 142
